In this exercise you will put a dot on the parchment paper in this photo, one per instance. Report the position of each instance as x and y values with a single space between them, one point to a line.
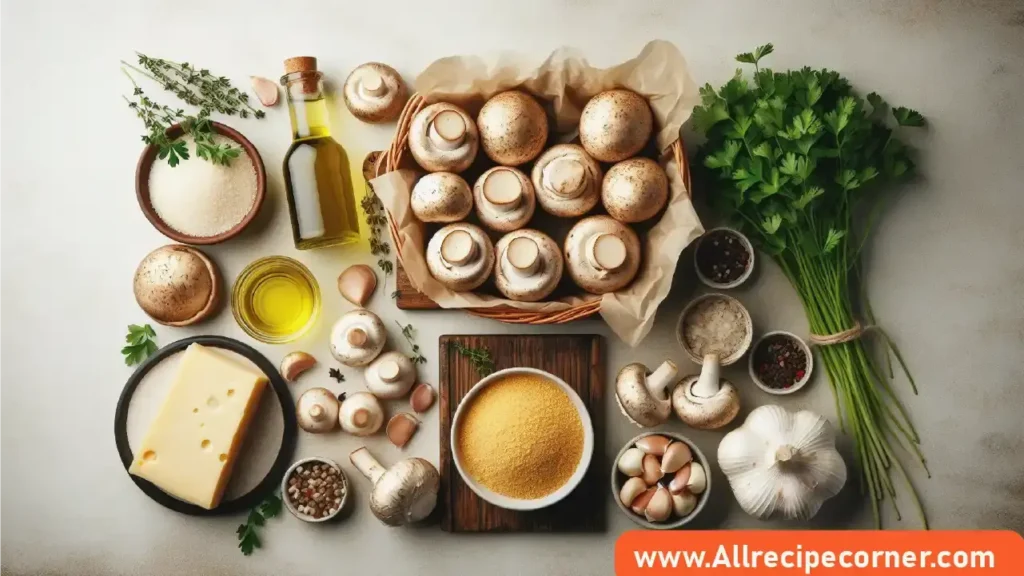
564 82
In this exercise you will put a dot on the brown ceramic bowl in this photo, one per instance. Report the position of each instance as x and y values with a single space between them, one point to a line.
142 187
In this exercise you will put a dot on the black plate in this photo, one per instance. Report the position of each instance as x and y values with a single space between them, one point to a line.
273 478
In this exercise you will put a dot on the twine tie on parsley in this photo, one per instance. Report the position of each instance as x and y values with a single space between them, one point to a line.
848 335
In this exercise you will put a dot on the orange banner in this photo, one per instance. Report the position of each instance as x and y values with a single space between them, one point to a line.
821 553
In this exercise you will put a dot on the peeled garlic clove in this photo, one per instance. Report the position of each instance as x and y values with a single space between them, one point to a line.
422 398
400 428
683 504
660 507
640 502
632 462
682 477
357 283
294 364
265 90
676 456
631 489
652 469
698 481
653 444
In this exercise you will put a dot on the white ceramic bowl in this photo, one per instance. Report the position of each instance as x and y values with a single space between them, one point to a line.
807 371
730 359
618 479
309 462
746 273
516 503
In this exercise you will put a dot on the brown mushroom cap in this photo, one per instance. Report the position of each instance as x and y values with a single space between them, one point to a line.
177 285
513 128
705 413
443 138
317 410
441 197
374 93
635 400
406 493
634 190
615 125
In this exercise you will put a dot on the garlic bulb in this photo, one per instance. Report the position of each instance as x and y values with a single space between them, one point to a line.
782 464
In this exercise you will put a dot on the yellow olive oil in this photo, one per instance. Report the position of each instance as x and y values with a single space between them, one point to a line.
317 172
275 299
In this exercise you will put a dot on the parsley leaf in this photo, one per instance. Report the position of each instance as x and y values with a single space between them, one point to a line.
141 344
907 117
248 537
755 57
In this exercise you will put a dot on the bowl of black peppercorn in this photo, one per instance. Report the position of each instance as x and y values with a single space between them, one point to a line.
723 258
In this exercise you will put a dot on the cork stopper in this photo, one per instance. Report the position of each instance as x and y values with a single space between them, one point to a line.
306 66
300 64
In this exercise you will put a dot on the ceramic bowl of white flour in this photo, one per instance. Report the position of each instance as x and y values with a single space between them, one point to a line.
197 200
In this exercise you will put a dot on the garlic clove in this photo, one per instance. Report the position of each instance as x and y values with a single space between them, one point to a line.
683 504
422 398
631 489
653 444
676 456
400 428
652 469
660 507
631 462
357 283
682 477
640 503
698 481
295 364
266 90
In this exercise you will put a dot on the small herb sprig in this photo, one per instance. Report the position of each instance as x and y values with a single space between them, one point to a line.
479 358
198 88
375 220
141 343
248 538
408 332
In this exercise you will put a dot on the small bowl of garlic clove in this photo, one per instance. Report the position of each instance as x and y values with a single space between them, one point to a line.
661 481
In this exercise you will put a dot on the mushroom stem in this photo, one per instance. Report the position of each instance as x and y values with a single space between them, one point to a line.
356 337
709 382
389 371
316 412
447 130
606 251
663 377
367 464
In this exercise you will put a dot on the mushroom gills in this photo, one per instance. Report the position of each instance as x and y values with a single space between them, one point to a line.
706 402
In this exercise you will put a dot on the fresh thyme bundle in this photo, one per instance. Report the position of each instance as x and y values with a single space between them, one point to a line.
196 87
799 155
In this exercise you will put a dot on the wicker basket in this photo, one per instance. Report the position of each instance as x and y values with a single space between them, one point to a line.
391 159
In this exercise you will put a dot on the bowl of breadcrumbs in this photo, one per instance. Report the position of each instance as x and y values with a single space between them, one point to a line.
522 439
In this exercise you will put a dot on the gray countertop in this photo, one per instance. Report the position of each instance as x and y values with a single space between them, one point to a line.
945 267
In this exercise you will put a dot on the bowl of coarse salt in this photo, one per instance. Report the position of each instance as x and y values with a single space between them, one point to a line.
198 201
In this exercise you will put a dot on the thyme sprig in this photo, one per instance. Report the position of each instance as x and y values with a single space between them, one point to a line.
408 332
479 358
197 88
375 221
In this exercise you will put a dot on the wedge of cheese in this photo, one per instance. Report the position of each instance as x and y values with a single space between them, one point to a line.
193 442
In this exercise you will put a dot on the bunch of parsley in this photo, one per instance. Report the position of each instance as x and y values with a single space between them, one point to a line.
799 157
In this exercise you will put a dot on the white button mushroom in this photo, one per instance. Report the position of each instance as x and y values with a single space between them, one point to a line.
528 265
317 410
567 181
460 256
390 376
443 138
403 494
602 254
615 125
441 197
357 338
504 199
634 190
706 402
513 128
374 93
642 396
360 414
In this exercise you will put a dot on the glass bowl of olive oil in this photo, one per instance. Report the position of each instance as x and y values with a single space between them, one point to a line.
275 299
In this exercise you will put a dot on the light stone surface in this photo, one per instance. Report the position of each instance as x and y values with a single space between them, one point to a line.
946 266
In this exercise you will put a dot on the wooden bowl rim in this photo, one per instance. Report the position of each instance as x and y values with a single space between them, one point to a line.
149 156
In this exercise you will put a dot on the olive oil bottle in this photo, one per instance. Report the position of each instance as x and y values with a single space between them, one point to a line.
317 175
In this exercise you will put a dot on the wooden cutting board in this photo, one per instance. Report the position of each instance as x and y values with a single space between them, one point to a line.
407 297
578 359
